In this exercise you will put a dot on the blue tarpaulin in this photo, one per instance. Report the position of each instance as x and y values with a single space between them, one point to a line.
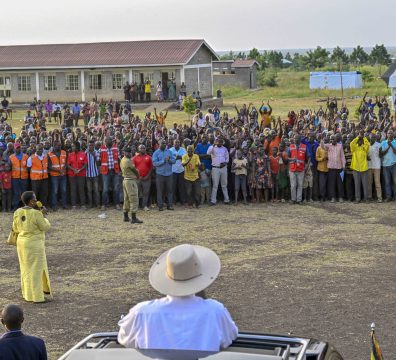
333 80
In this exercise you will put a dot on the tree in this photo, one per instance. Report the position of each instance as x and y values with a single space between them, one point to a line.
254 54
339 56
298 62
289 57
317 58
229 56
379 55
241 55
273 59
359 56
189 105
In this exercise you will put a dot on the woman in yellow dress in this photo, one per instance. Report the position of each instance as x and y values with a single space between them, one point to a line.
31 225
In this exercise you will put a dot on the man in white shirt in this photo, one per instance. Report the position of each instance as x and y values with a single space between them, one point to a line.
220 159
374 170
181 325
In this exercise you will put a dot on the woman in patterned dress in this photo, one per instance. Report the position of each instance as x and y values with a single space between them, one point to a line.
263 179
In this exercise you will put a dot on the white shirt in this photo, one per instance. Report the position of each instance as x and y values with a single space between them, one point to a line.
375 160
178 323
219 155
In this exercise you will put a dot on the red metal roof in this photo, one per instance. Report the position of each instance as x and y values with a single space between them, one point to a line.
244 63
132 53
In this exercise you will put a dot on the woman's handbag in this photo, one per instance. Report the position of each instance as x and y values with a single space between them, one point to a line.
12 238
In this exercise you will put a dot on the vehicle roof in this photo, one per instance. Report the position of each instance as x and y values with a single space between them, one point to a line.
130 354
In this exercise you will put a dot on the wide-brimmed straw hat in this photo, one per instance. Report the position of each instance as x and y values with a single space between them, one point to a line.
184 270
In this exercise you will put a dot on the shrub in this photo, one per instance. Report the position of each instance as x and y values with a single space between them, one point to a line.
367 76
268 78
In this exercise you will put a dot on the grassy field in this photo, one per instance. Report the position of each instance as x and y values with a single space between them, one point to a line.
292 93
318 271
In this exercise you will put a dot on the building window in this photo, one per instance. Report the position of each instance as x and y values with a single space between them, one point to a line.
95 81
1 80
117 81
6 93
24 83
50 83
72 82
148 76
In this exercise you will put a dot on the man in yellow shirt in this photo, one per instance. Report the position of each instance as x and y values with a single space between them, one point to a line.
360 147
321 158
191 164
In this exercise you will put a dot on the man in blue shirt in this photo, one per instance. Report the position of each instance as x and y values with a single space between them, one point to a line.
162 161
76 109
201 150
178 184
388 155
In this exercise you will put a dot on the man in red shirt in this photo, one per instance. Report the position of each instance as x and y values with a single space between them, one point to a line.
144 165
76 165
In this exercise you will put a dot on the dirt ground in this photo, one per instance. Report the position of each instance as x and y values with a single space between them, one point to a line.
324 271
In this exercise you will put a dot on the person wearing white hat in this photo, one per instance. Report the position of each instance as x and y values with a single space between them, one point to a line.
180 325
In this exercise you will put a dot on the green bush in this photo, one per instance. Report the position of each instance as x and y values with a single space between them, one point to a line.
268 78
367 76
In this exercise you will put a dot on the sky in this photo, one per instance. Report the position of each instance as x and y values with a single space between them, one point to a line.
224 24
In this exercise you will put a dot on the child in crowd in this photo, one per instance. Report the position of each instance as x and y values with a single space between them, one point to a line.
282 178
204 175
239 166
308 182
275 160
5 185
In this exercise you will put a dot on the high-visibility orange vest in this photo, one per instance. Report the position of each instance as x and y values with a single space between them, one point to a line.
104 160
58 163
299 156
19 169
39 169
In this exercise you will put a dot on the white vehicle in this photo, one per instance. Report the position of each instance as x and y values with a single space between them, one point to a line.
249 346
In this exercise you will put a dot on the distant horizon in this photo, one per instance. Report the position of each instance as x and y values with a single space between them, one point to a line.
391 48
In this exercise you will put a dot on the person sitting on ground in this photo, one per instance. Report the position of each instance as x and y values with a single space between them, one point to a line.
14 344
180 325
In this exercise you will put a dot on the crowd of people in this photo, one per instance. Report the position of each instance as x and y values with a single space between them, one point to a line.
253 157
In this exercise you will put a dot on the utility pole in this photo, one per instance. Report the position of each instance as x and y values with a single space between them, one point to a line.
342 85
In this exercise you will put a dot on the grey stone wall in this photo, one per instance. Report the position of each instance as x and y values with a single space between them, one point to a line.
220 80
241 78
191 77
202 56
222 66
205 82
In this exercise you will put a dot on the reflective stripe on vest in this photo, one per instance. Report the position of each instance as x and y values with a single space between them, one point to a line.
19 169
104 157
39 169
299 156
57 163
